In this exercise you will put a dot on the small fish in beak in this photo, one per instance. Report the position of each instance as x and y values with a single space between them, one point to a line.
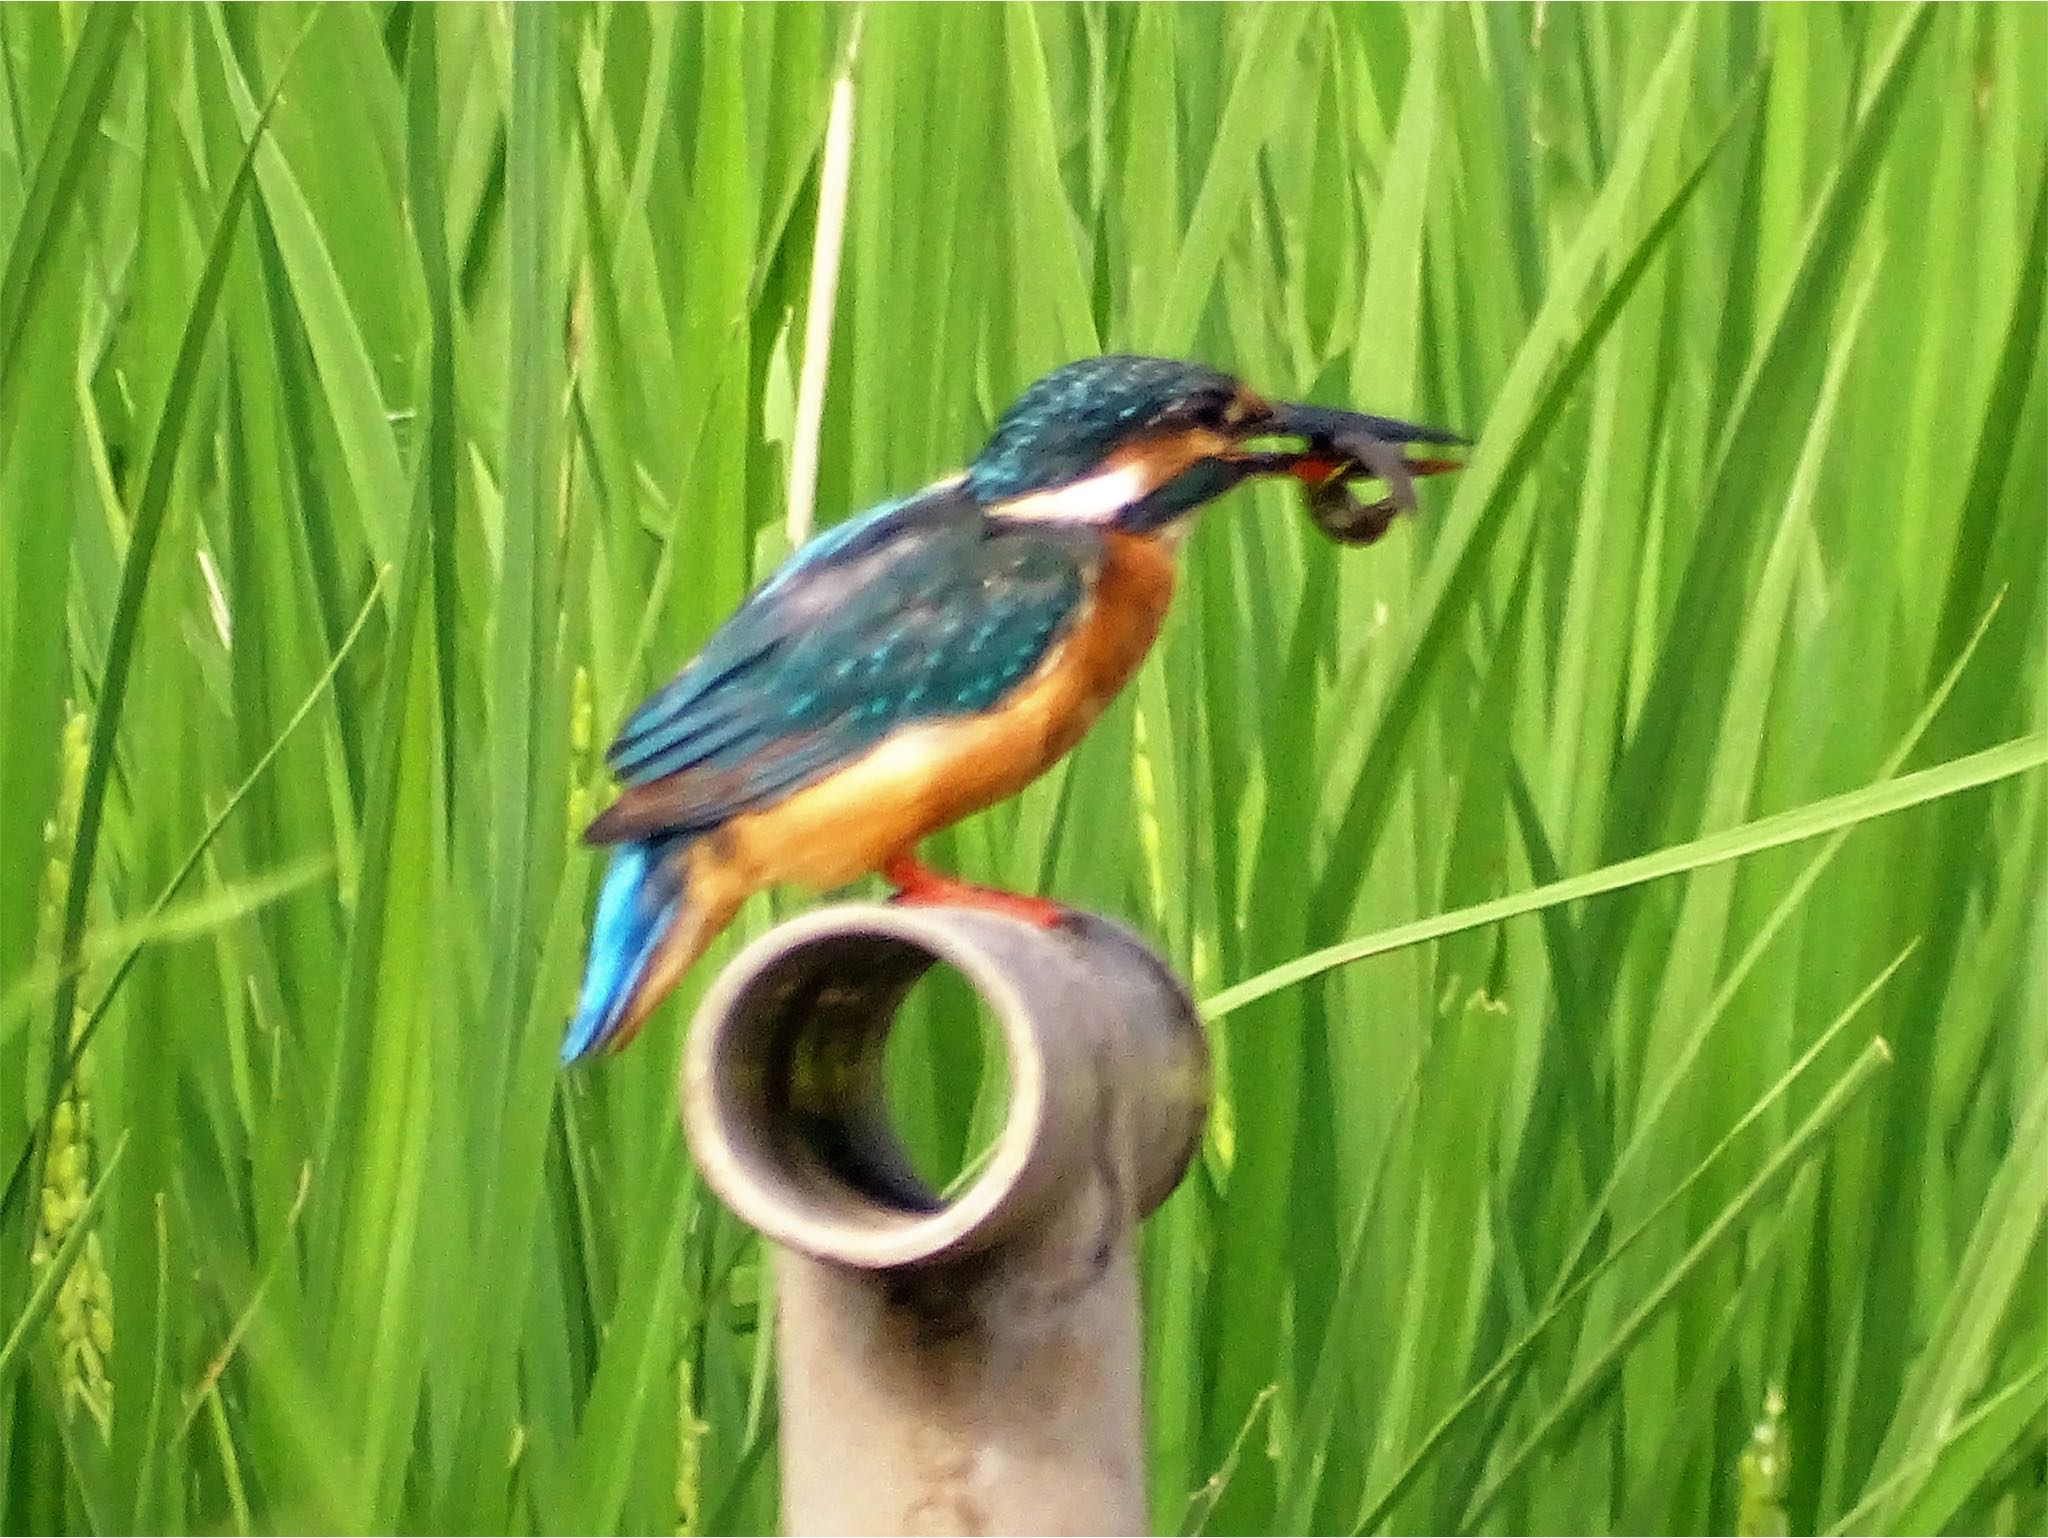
1347 446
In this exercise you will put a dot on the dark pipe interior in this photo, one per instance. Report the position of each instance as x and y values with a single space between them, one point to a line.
808 1090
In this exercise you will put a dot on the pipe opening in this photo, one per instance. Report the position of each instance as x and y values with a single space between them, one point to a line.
809 1088
821 1041
946 1081
1080 1042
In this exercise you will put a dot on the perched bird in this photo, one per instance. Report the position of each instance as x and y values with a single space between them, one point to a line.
936 654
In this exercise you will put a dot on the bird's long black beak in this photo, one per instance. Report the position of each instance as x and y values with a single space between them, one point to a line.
1339 447
1329 425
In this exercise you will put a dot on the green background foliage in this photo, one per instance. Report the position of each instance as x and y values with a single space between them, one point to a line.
1619 896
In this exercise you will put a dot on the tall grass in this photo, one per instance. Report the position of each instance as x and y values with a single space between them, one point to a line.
1619 895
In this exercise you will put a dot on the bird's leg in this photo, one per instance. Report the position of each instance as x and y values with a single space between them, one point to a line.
917 883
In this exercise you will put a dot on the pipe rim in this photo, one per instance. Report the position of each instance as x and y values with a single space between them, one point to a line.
835 1220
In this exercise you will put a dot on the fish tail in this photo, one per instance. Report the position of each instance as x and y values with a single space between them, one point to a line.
650 926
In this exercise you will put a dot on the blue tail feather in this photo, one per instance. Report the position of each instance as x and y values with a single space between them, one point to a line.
636 908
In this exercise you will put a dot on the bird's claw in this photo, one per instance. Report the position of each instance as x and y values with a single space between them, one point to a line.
918 885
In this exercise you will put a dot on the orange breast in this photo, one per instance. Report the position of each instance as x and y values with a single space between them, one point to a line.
925 777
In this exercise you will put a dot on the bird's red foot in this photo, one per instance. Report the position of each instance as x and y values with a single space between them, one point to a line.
918 884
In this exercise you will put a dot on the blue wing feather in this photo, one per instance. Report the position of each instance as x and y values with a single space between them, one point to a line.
638 903
909 613
793 599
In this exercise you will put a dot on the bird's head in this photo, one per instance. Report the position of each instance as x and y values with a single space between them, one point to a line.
1136 444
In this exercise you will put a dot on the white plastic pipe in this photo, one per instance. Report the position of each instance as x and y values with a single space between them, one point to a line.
969 1366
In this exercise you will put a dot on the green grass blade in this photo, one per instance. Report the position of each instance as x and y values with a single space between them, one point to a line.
1759 422
1924 1490
88 87
1883 799
151 509
1528 409
1558 1306
1993 1276
1591 1380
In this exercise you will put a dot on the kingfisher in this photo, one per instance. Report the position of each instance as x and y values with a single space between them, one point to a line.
934 655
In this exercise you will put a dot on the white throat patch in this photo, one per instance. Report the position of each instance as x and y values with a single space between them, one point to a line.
1095 499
